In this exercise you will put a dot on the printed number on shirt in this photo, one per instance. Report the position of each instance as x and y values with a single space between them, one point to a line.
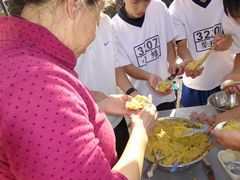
204 38
148 51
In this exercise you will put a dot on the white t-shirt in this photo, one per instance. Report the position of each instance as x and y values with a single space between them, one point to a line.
96 67
146 46
199 25
230 26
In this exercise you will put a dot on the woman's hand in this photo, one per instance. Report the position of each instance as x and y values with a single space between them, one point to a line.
145 119
98 96
115 104
222 42
228 138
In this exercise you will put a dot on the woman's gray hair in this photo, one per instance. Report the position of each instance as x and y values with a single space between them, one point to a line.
15 7
4 7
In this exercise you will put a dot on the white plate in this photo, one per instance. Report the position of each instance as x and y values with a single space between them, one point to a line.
226 156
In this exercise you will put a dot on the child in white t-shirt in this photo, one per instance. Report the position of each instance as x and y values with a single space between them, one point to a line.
144 34
231 25
96 69
197 23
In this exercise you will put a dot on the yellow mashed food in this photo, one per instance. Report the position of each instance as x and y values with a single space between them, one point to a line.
163 86
166 139
232 125
138 102
195 65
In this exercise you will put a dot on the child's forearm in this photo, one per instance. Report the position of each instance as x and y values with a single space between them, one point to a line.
171 53
183 51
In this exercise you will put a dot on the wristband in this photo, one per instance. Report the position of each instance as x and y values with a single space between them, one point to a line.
130 90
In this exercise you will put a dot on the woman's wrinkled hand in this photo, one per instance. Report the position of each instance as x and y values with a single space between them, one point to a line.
146 118
115 105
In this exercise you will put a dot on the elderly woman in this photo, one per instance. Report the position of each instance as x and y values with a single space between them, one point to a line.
50 126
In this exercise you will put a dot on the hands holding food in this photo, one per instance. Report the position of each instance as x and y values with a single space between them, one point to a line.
153 81
138 102
192 71
226 132
115 104
146 116
194 68
231 86
164 87
160 86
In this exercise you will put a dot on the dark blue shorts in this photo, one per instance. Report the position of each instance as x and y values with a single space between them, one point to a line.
191 97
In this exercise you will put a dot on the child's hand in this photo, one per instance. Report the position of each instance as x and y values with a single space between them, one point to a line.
234 88
222 42
176 69
228 138
193 74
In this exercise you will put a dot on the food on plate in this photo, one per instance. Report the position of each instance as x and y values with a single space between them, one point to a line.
138 102
164 86
166 139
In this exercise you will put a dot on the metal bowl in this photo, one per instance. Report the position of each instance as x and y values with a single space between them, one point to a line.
223 101
182 167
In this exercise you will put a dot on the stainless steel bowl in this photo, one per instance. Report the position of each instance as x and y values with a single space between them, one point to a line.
223 101
182 167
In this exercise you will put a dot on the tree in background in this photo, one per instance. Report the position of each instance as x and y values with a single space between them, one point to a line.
3 9
14 7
